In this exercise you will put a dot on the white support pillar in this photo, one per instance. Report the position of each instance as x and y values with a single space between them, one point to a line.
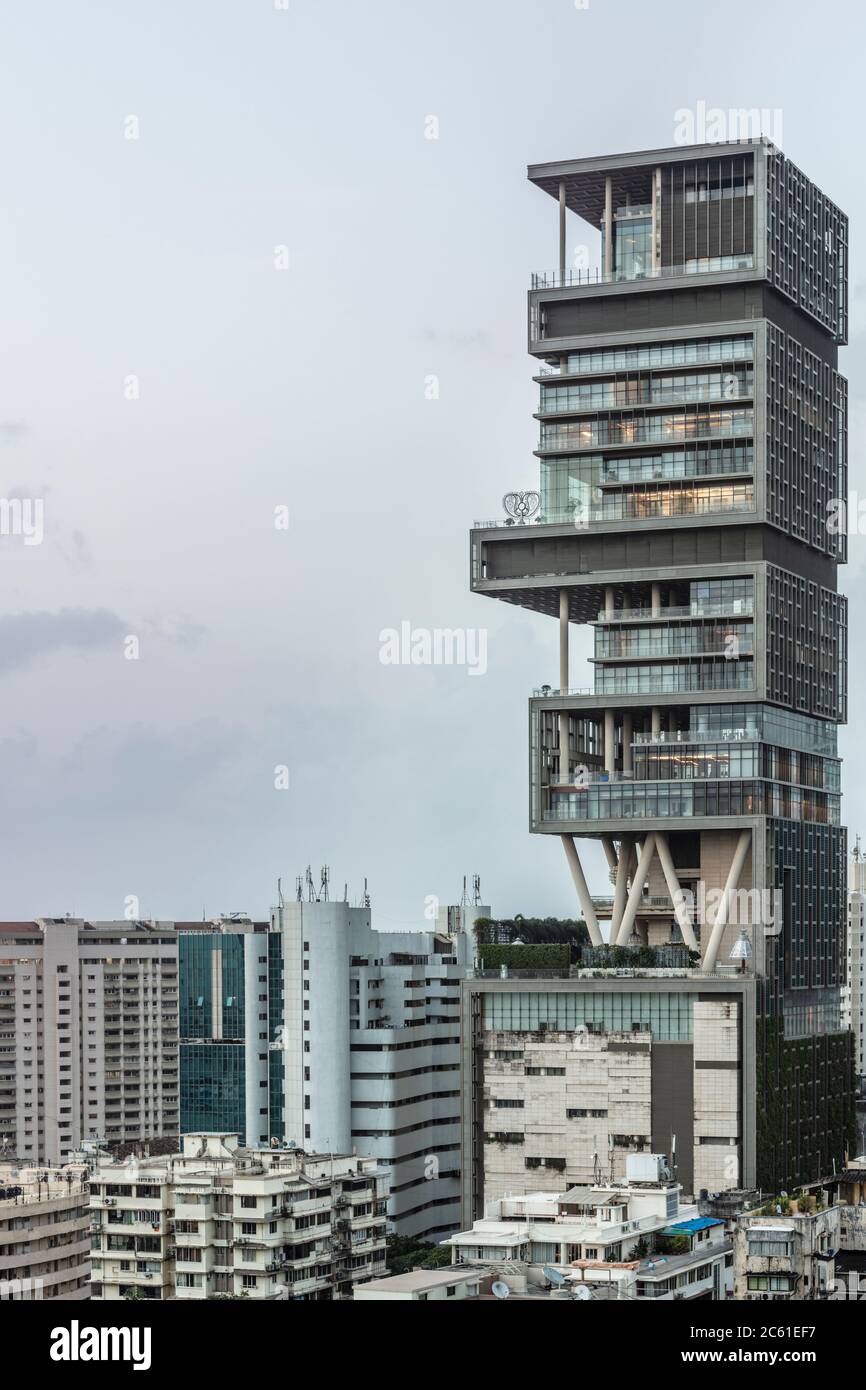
563 639
627 735
564 768
684 921
656 721
634 897
609 602
657 599
620 892
721 918
610 853
562 252
583 894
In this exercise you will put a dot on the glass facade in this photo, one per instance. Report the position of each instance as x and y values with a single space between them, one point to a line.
637 800
667 1015
212 1090
673 679
650 429
198 972
684 354
574 485
669 389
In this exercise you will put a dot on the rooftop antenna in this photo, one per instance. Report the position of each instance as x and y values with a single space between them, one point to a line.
308 877
299 889
366 895
464 900
345 892
280 899
857 853
476 890
325 879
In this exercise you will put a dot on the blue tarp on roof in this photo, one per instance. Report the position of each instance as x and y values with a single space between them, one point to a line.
697 1223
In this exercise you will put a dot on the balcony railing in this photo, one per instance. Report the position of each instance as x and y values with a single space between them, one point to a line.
628 508
575 278
734 608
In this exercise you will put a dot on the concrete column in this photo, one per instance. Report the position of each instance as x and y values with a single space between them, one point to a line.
564 769
620 893
562 231
609 602
721 918
672 722
583 894
657 599
608 225
609 742
656 721
610 853
563 639
684 921
627 734
634 897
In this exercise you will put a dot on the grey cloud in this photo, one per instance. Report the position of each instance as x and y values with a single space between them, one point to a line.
24 637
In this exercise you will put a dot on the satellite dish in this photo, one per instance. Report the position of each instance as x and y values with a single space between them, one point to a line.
583 1293
553 1275
500 1289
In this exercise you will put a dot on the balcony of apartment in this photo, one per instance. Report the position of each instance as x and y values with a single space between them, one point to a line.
633 274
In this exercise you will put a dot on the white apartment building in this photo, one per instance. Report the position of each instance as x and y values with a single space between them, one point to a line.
88 1035
632 1239
370 1041
44 1233
218 1219
853 1001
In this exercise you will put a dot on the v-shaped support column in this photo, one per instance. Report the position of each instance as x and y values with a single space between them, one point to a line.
684 921
583 893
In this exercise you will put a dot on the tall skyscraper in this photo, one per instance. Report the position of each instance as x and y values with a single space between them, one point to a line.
693 456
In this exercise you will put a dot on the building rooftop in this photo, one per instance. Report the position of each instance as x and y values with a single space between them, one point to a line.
584 179
419 1279
696 1223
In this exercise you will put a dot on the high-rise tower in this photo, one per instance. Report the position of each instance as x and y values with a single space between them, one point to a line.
692 449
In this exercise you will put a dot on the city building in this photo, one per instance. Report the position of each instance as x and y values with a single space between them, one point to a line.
223 971
317 1029
365 1048
424 1286
693 471
44 1233
576 1073
631 1237
88 1035
218 1219
786 1256
852 994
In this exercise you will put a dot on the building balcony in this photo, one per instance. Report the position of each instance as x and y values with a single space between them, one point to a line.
591 276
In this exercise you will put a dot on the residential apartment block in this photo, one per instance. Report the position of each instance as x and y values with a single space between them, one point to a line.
219 1219
44 1233
88 1035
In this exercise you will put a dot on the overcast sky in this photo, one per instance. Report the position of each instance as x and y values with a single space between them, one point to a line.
166 383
